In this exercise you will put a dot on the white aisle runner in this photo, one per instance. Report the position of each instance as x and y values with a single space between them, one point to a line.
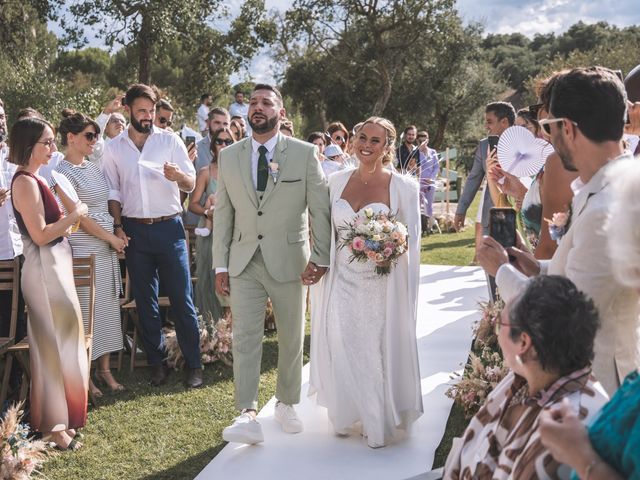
448 306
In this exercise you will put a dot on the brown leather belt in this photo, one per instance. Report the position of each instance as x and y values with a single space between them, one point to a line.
151 221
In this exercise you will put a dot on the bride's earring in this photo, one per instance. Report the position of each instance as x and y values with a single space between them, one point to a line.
519 360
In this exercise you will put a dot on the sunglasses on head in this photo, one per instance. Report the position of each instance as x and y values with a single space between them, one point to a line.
91 136
223 141
535 109
165 120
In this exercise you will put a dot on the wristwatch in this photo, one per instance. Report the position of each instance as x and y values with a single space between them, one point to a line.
117 225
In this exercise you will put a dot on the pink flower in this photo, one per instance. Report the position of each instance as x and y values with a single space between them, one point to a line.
371 255
379 257
387 252
389 245
396 235
357 244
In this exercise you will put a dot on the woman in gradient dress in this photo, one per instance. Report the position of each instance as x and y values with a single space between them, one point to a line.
59 365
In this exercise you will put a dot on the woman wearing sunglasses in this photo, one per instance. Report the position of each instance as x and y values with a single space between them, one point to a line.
78 136
202 202
546 337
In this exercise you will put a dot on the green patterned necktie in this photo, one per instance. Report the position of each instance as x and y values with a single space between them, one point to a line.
263 168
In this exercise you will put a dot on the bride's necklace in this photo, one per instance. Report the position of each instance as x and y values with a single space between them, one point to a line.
371 172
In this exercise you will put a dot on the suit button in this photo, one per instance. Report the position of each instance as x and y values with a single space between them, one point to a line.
259 237
259 213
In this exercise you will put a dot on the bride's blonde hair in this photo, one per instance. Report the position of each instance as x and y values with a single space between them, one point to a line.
390 132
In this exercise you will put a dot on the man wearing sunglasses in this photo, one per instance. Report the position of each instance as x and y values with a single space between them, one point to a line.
585 125
164 115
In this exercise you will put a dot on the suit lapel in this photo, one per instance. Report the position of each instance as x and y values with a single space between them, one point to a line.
279 157
245 167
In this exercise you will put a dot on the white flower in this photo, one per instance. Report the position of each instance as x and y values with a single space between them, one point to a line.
368 212
362 229
273 166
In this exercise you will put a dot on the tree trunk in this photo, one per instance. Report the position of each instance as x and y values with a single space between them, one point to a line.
385 93
144 49
437 139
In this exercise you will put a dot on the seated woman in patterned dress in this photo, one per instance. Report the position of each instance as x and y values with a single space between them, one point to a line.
610 447
546 337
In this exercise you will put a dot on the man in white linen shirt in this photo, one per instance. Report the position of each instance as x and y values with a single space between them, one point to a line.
241 109
146 168
203 112
585 125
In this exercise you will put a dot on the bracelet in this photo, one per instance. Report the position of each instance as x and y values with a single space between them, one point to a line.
587 472
117 225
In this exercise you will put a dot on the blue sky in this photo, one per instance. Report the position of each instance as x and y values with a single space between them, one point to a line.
498 16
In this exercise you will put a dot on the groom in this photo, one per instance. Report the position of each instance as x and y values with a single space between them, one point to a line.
266 185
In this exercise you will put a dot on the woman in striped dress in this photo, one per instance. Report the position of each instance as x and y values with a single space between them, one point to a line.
95 236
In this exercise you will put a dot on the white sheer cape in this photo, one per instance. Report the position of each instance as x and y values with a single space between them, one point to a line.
401 368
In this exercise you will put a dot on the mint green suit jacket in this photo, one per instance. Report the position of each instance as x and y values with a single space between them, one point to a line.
279 223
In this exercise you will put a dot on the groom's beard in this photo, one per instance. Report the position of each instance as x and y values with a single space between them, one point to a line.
268 125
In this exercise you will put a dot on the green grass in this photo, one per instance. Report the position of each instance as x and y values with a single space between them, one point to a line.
170 433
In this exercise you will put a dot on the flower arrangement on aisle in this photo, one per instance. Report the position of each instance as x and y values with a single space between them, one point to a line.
21 455
485 368
375 237
215 342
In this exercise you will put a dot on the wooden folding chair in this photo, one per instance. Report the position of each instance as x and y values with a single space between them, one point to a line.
84 275
9 281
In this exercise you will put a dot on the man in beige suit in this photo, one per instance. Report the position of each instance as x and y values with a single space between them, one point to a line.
266 185
585 126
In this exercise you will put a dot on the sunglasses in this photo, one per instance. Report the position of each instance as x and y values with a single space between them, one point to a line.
535 109
91 136
48 143
339 139
498 325
546 123
226 141
165 121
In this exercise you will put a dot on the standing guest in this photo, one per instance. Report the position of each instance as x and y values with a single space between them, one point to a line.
498 117
286 127
585 124
10 241
237 129
238 108
115 125
203 203
203 112
164 115
407 151
429 167
95 236
319 140
57 354
546 337
610 447
261 250
146 168
218 118
339 135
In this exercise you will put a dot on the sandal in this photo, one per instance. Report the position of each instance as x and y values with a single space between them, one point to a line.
105 377
94 391
73 445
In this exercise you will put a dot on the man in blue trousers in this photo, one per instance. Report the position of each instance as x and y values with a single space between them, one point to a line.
146 168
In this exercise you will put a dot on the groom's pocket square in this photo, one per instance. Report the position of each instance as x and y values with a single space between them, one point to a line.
291 181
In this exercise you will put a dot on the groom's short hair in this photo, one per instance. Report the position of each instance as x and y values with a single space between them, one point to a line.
266 86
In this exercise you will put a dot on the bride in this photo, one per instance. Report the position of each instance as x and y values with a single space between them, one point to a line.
364 361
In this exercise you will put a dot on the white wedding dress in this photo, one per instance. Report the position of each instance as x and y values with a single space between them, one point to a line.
364 365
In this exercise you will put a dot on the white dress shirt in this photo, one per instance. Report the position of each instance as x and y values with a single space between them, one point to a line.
10 238
203 116
239 110
144 192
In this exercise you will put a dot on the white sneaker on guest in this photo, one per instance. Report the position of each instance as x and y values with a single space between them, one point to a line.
245 429
202 232
287 417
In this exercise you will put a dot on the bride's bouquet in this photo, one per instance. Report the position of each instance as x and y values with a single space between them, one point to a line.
378 238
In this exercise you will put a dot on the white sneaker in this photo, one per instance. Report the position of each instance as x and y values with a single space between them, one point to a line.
245 429
287 417
202 232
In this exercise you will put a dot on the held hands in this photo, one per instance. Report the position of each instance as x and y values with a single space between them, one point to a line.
222 284
172 172
312 274
122 236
